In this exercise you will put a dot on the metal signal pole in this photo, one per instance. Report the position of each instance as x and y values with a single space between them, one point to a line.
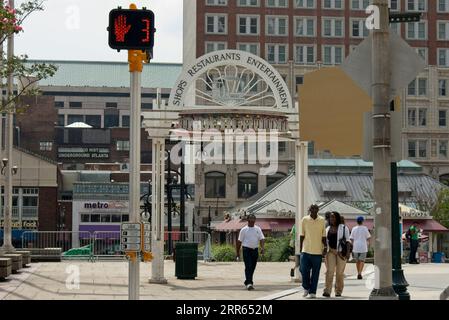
381 76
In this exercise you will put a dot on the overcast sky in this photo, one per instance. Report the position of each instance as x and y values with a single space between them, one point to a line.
76 30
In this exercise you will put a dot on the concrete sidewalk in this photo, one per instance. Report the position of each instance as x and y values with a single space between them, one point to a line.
222 281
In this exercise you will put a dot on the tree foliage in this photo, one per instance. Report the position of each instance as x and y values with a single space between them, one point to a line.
25 74
440 211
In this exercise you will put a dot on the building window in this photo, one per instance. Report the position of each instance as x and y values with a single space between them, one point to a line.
216 2
443 57
215 184
59 104
111 105
422 52
412 149
442 87
122 145
443 31
443 6
442 149
277 26
45 145
417 87
305 4
333 54
247 185
272 179
277 53
72 118
416 30
422 148
277 3
248 25
422 117
125 121
333 27
248 3
333 4
147 106
395 5
358 29
85 218
299 80
396 28
75 105
416 5
216 24
61 120
304 54
304 27
111 120
442 118
249 47
282 147
215 46
411 115
359 4
94 121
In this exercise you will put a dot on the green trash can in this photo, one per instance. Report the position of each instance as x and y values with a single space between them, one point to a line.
186 260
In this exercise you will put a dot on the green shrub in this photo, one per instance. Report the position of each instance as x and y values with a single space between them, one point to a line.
223 253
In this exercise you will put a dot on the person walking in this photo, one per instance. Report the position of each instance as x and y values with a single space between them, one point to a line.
360 241
249 238
414 242
313 246
337 237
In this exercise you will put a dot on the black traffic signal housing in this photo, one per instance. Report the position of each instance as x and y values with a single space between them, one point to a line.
131 29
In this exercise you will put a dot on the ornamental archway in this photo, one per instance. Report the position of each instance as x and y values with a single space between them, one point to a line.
225 91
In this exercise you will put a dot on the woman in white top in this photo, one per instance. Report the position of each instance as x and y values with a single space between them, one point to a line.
337 235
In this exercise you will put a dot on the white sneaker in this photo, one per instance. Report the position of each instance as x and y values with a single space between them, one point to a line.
249 287
306 292
311 296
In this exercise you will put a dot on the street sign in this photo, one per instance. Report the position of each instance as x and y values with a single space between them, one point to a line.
405 64
130 226
130 236
131 233
131 29
130 247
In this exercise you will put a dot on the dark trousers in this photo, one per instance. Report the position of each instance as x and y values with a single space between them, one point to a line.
250 257
414 244
310 270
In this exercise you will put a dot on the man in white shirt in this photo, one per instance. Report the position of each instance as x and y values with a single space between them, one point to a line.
249 239
359 238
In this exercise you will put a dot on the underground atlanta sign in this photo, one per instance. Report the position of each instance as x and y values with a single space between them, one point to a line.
249 64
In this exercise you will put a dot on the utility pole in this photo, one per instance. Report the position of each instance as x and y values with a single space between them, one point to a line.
383 289
7 228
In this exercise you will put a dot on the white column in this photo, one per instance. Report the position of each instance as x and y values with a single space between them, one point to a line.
301 174
157 211
7 227
134 176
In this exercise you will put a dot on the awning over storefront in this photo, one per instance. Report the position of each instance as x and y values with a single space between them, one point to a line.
272 225
427 225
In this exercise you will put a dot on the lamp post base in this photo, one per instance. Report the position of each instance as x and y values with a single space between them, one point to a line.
158 281
400 284
383 294
7 248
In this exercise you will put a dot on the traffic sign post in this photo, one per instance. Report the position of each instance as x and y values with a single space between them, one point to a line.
133 30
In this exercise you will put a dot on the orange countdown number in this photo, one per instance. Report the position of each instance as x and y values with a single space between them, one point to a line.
146 30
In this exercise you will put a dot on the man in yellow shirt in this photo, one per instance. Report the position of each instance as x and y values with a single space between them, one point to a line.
313 247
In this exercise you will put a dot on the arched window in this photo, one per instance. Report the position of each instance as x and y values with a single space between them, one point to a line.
247 184
271 179
215 184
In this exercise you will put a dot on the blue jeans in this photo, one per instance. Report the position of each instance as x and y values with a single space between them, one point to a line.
250 257
310 262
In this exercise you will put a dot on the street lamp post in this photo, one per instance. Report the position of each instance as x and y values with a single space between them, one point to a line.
399 282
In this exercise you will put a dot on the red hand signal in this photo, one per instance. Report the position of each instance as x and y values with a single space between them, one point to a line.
121 29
